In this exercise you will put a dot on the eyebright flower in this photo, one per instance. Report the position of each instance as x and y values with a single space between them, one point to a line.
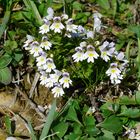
29 40
43 79
90 34
65 80
91 54
45 44
107 50
114 73
79 55
50 13
97 22
57 26
83 44
49 66
70 26
57 90
41 60
35 49
45 28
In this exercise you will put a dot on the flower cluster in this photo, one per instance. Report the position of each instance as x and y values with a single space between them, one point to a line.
107 52
50 76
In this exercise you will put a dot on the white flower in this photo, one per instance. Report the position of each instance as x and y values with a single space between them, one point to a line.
57 26
65 80
46 44
113 71
107 50
81 29
41 60
79 55
83 44
105 56
132 134
45 28
120 56
58 91
35 49
70 26
64 16
49 66
90 34
43 79
91 54
50 13
97 21
29 40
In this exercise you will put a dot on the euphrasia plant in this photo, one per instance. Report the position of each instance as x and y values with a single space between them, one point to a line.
44 48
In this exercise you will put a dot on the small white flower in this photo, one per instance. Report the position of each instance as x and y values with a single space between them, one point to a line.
50 13
97 21
83 44
81 29
46 44
79 55
64 17
120 56
65 80
132 134
113 71
49 66
43 79
57 26
49 83
45 28
90 34
91 54
29 40
105 56
58 91
70 26
35 49
41 60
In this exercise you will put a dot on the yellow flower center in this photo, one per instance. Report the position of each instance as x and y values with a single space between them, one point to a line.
113 71
57 25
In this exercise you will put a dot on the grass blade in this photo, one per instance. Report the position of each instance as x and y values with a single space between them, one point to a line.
49 121
31 130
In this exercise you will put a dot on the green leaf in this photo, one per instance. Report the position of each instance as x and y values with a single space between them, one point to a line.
77 128
5 76
72 136
5 61
77 6
112 124
130 113
8 124
49 121
72 115
89 120
61 128
135 29
4 22
104 4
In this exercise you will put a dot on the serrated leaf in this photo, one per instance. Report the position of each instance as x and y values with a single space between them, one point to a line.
72 115
131 113
5 61
112 124
6 76
61 128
